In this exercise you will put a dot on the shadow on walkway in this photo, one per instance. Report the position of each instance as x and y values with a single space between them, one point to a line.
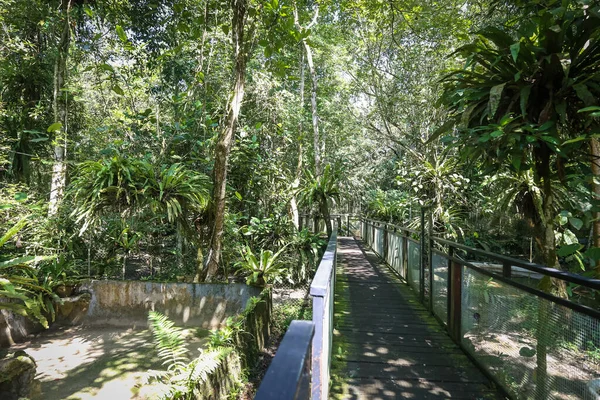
387 345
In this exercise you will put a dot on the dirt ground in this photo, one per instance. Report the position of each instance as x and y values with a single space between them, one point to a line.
95 362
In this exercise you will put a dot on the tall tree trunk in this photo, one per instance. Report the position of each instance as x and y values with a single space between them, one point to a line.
59 104
315 114
547 245
296 183
326 216
179 234
313 98
223 147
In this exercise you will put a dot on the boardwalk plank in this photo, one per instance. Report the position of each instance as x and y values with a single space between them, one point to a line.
387 345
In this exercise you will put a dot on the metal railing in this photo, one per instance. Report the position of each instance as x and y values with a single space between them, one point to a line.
531 343
288 376
321 332
322 291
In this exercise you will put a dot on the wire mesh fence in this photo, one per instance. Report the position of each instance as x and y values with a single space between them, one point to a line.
414 265
439 266
509 331
534 345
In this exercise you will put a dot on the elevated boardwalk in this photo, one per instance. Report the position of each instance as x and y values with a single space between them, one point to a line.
386 344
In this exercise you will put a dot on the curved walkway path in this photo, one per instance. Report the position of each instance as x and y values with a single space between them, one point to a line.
386 344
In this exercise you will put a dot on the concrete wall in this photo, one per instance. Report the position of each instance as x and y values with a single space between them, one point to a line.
15 328
126 304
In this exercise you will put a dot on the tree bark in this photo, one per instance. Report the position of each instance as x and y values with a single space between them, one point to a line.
313 98
59 105
223 147
315 114
296 183
547 244
326 216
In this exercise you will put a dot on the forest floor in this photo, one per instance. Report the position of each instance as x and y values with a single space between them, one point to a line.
96 362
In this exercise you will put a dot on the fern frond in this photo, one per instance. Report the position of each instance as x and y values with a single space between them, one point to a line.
169 341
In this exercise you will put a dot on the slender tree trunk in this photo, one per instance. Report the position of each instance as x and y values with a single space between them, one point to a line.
296 183
59 104
315 114
313 98
326 216
547 244
223 147
179 234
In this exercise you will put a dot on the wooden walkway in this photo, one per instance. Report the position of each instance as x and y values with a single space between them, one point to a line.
386 344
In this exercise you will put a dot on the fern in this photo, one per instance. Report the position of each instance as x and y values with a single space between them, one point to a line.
169 340
182 376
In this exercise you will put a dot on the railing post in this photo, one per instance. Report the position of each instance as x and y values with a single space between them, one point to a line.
430 260
454 297
372 234
404 260
339 223
348 224
423 262
506 269
315 225
385 242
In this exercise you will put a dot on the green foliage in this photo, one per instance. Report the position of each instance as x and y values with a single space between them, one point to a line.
183 377
19 284
262 267
521 90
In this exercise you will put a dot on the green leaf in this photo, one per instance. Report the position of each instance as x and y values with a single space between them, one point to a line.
576 223
568 250
121 33
496 134
547 125
588 109
495 97
514 50
57 126
524 99
106 67
20 196
584 94
577 139
516 161
593 253
117 89
238 195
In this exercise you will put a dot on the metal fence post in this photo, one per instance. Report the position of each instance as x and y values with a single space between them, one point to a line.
423 255
348 224
455 298
430 260
385 243
404 260
506 269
